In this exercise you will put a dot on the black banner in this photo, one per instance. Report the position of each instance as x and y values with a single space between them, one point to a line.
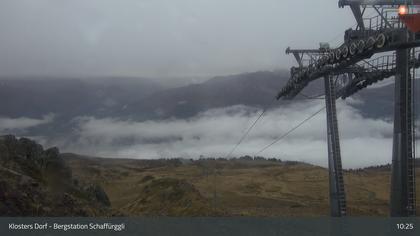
210 226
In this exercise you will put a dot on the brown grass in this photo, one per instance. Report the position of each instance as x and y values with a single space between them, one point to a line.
234 188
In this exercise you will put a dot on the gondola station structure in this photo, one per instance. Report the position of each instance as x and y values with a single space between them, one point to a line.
380 46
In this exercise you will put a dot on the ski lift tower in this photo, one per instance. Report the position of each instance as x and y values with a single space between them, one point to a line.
402 28
393 29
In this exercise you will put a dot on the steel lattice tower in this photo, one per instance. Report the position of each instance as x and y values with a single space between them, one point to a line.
383 33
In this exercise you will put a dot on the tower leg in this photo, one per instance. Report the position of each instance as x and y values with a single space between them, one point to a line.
337 194
403 178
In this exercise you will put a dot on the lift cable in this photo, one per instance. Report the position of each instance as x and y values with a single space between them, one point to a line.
290 131
235 147
319 96
250 128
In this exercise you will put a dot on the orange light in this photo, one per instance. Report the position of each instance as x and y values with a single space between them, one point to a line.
402 10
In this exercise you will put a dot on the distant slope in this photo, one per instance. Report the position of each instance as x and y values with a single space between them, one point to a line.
141 99
238 187
68 98
377 102
251 89
38 182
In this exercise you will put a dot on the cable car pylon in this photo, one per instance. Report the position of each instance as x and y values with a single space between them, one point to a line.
386 32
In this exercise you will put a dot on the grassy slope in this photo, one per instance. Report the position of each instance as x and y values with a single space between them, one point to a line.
242 188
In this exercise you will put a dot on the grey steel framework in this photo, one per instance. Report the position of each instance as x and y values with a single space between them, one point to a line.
336 183
346 70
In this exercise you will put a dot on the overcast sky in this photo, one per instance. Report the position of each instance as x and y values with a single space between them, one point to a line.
160 38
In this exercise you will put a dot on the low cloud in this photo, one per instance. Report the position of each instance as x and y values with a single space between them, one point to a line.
23 123
364 141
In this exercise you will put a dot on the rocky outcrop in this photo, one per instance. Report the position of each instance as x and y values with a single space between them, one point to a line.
98 194
37 182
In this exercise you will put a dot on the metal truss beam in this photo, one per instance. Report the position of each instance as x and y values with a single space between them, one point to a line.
402 176
386 34
358 15
295 85
365 79
336 182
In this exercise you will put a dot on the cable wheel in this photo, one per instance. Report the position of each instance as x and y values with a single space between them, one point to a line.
353 49
337 54
380 41
360 46
370 43
345 51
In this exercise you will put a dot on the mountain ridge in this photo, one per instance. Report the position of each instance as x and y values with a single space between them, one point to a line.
142 100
